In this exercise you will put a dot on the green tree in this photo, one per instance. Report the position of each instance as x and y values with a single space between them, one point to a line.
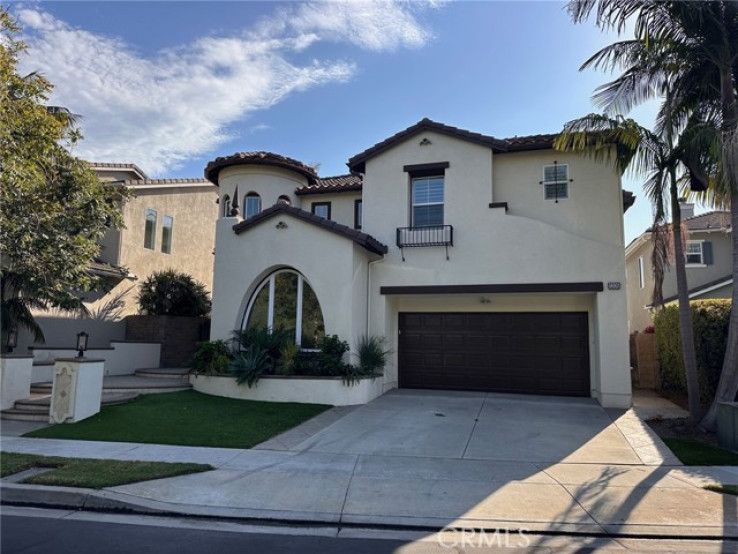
173 293
53 209
695 45
662 157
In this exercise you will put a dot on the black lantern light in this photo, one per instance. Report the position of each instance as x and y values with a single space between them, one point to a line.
12 340
82 344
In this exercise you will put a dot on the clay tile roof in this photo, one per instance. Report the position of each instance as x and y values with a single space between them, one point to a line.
530 142
709 220
362 239
213 168
357 162
109 165
145 182
339 183
514 144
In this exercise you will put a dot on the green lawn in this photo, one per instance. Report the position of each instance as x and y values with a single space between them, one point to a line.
187 418
89 473
695 453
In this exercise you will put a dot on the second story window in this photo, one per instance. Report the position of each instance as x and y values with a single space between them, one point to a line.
252 204
358 216
322 209
150 230
427 198
167 226
556 181
641 274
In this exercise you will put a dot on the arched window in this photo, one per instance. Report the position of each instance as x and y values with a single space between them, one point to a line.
226 206
284 199
285 300
252 204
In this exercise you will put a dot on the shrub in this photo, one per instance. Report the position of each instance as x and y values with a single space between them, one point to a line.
371 354
172 293
249 366
211 358
288 359
330 358
269 341
710 321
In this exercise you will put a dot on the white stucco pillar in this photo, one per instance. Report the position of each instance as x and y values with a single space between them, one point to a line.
77 389
613 388
15 379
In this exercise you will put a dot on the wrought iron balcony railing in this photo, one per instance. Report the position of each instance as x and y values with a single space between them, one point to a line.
433 235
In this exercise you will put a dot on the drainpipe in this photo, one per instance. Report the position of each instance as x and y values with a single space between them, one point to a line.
368 290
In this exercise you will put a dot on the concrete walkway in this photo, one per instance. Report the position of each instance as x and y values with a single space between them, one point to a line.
431 460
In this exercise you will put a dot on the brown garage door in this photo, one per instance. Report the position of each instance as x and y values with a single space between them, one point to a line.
531 352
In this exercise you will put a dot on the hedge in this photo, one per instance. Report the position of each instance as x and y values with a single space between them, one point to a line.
710 321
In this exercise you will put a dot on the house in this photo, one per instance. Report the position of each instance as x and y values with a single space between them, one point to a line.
709 252
487 264
169 223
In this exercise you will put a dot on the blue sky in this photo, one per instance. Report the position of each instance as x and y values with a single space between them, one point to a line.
172 85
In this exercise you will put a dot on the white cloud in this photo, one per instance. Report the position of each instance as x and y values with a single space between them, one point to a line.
160 111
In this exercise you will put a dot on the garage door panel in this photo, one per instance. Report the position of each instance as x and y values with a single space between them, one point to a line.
539 353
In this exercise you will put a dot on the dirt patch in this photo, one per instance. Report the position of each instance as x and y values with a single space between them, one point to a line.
681 428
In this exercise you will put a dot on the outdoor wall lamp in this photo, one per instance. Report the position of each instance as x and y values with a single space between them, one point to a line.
12 340
82 344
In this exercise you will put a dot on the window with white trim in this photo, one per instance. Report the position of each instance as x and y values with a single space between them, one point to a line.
285 300
150 229
252 204
694 253
427 198
556 181
641 274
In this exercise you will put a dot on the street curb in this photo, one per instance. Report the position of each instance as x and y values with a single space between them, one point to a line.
41 496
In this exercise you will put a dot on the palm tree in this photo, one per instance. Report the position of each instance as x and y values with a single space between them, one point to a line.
663 157
695 45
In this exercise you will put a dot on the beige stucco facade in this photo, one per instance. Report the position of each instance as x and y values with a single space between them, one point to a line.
533 241
191 205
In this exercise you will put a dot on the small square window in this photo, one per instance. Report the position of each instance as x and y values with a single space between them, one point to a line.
556 181
694 253
322 209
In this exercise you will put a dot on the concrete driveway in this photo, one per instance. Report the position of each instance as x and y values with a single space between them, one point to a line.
478 426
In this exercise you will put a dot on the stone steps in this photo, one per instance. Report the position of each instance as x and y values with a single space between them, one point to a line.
36 408
163 372
130 383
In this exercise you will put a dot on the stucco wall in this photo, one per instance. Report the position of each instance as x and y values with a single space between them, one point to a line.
331 264
193 237
267 181
593 208
342 205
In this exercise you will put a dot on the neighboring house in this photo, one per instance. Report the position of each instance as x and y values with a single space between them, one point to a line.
169 223
488 264
709 252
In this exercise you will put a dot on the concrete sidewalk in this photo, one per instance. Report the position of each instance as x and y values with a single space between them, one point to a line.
319 480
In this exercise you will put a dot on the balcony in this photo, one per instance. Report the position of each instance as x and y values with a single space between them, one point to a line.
433 235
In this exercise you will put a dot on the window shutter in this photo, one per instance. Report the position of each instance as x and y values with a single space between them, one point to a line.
707 253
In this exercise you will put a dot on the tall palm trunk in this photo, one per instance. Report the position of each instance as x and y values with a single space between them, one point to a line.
728 384
686 330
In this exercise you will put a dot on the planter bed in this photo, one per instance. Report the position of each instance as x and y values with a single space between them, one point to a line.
280 388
